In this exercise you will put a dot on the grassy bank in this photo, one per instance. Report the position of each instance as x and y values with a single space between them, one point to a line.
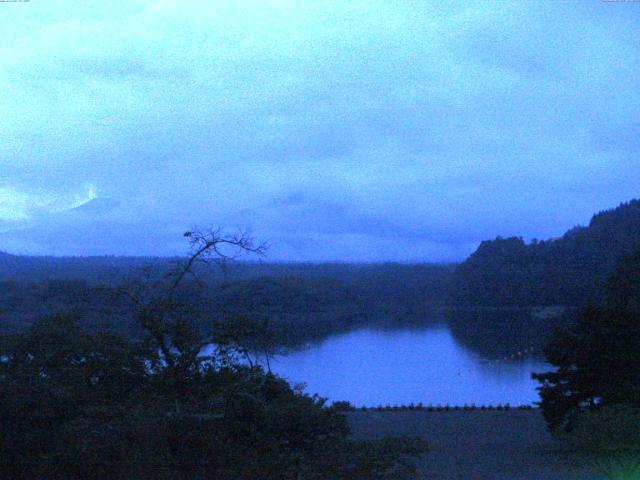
480 444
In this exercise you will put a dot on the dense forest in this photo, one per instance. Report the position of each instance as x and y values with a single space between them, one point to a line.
301 302
569 270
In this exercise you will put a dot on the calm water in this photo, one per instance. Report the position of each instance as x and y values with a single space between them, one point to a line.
372 367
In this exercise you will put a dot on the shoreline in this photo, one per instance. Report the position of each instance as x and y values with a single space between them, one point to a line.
419 407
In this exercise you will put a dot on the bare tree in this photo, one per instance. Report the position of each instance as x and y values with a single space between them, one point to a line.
157 308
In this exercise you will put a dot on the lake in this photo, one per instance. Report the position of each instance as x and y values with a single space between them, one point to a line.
379 367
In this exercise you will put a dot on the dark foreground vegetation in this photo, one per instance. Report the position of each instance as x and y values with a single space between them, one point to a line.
597 361
78 406
75 405
592 397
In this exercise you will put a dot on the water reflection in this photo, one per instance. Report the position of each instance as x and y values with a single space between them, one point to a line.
373 367
500 332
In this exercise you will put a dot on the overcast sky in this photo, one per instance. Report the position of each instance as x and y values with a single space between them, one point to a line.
353 130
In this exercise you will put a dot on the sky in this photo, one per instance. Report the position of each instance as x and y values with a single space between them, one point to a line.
335 131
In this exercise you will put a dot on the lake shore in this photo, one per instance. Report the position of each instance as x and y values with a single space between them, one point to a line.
478 445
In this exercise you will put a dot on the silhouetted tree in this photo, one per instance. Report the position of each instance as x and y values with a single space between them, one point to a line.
597 361
80 406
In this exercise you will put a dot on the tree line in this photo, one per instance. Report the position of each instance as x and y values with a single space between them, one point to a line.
319 301
79 405
569 270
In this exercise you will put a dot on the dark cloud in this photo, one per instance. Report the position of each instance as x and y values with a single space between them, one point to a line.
368 131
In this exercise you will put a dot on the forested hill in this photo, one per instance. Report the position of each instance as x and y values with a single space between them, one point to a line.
569 270
303 301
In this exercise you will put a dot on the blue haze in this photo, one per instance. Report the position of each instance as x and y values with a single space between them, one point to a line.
361 130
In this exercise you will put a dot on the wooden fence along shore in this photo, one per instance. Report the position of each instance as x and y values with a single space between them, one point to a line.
347 407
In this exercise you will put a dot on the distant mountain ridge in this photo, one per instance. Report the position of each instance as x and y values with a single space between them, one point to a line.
97 205
569 270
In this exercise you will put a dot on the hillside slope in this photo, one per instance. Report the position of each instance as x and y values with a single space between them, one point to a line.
569 270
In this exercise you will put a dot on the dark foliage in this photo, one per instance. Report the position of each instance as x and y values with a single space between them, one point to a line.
79 406
597 362
500 332
566 271
76 405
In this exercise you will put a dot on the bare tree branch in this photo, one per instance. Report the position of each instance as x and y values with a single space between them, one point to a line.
156 306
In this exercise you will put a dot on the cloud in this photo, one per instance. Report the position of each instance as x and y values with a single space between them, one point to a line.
315 123
20 207
14 206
